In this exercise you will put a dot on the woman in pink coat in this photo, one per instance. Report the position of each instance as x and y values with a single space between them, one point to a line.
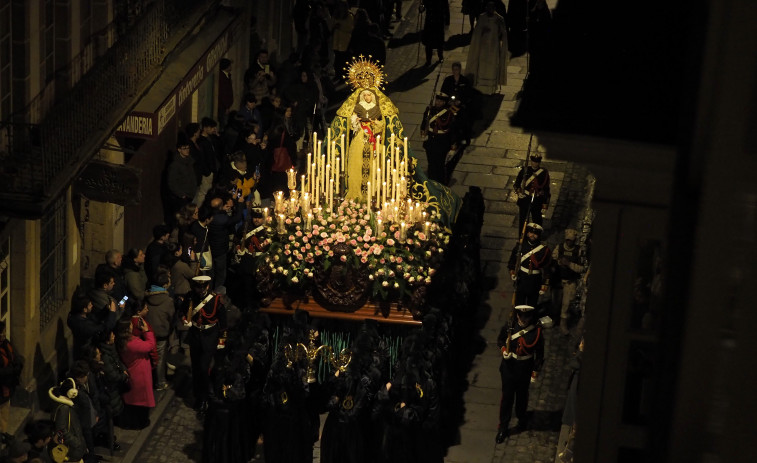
135 353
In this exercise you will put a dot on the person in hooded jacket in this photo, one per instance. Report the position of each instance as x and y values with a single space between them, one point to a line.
68 430
134 273
410 406
160 316
113 375
225 433
347 432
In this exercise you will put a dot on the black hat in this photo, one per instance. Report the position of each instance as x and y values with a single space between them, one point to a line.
224 64
536 157
442 96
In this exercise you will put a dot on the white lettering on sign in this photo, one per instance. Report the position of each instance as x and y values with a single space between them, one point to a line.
166 113
191 83
140 125
218 50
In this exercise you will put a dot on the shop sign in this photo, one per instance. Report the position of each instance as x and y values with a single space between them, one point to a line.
148 125
109 183
139 125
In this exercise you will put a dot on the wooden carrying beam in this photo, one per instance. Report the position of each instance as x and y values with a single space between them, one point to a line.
369 311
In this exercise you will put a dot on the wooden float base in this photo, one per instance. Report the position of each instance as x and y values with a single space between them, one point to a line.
370 311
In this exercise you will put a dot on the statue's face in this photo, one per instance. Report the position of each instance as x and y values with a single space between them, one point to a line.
368 97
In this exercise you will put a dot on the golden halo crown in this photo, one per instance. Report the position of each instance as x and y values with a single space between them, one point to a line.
364 73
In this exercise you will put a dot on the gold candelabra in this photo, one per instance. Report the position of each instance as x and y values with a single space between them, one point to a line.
312 351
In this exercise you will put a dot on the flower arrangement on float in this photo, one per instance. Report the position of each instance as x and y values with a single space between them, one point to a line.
397 252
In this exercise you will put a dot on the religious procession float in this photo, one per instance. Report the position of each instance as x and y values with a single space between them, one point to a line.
363 232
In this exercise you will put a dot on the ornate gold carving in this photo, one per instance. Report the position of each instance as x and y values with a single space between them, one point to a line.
342 286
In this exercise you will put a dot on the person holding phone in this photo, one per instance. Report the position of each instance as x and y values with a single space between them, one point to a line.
260 78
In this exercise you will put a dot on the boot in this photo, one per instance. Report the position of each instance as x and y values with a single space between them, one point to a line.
564 326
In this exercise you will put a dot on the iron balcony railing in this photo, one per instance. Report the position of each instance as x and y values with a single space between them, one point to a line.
33 157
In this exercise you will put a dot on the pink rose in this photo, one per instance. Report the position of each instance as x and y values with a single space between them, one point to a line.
353 242
363 260
399 260
390 242
343 258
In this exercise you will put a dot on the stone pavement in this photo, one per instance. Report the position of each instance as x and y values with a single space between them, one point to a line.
491 163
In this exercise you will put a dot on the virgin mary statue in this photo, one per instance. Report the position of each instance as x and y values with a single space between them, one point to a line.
368 119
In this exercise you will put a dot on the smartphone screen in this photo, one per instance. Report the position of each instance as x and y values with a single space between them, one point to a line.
189 251
126 298
267 69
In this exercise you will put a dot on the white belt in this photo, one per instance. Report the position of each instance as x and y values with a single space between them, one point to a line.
535 271
511 355
202 327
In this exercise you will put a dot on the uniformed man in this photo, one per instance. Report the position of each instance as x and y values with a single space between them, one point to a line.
522 346
529 262
532 187
567 271
205 312
438 125
459 89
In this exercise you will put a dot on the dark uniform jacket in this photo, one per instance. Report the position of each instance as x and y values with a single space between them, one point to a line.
533 181
522 344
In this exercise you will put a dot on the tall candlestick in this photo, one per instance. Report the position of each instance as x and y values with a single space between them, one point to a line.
370 194
265 215
315 140
405 158
383 192
312 180
403 234
336 175
280 227
309 222
307 167
331 194
302 185
328 144
425 229
394 184
378 185
344 155
319 147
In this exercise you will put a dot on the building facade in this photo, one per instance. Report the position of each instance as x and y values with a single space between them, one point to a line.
92 96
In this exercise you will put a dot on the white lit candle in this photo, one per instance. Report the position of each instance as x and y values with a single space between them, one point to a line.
265 215
336 176
405 157
302 185
394 184
309 222
403 235
425 229
281 228
342 151
331 194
